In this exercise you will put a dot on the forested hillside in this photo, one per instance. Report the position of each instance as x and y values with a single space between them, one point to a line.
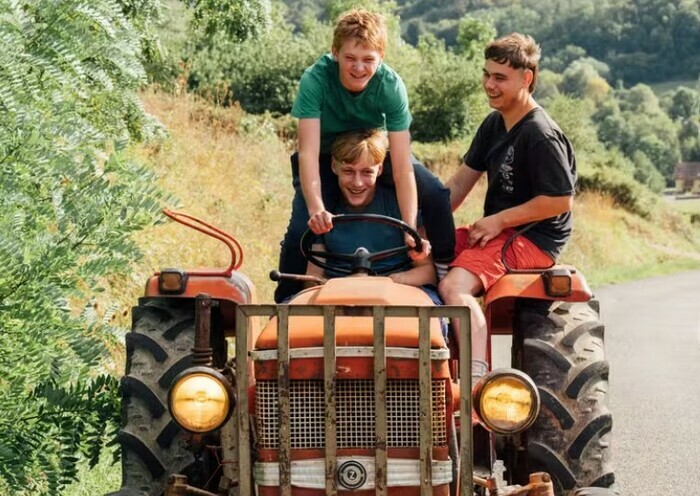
645 134
639 40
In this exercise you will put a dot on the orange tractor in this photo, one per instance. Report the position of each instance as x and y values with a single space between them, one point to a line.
353 388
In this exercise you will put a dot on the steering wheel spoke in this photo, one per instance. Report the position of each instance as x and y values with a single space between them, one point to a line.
361 260
341 257
390 252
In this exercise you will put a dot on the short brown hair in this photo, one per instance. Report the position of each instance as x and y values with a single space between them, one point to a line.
351 146
367 28
519 51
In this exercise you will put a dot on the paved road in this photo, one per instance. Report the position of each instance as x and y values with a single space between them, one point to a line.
653 345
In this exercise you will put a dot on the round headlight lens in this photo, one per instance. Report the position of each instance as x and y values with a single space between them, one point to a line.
507 401
200 401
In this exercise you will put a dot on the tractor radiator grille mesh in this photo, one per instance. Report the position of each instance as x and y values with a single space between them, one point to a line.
354 411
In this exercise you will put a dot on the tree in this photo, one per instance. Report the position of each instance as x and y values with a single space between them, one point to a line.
70 199
236 20
638 125
442 100
262 74
574 117
597 89
640 99
576 78
685 32
685 103
689 137
547 85
646 173
562 58
473 35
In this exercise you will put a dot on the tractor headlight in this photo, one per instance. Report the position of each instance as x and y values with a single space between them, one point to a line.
506 401
200 400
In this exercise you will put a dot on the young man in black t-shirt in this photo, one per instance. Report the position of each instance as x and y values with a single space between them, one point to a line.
531 173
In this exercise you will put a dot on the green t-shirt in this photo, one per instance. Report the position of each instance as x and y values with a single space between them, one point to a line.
383 104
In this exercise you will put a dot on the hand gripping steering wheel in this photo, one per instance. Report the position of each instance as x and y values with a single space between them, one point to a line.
361 260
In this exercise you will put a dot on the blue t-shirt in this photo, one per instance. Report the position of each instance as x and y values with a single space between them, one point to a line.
346 238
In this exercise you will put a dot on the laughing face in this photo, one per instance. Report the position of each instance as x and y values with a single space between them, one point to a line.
357 181
357 64
505 86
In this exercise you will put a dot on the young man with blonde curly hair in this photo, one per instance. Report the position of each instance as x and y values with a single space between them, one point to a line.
350 89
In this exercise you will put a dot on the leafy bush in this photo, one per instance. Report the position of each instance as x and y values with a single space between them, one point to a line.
262 75
237 20
444 97
623 189
70 201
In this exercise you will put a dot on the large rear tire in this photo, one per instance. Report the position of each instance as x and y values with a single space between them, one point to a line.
563 350
158 347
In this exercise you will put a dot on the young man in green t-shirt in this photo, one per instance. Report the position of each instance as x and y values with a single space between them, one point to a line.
352 89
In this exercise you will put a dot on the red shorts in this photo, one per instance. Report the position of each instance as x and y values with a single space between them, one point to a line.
485 263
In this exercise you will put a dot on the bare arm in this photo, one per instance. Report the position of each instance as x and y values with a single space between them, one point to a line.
404 177
422 272
460 185
539 208
309 175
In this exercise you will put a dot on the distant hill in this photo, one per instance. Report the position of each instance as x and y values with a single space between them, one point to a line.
651 41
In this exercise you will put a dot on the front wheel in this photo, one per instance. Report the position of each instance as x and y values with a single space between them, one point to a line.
563 350
158 348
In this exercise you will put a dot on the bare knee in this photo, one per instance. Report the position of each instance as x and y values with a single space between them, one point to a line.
448 287
459 284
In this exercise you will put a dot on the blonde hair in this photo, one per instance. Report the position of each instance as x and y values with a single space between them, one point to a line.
367 28
519 51
352 146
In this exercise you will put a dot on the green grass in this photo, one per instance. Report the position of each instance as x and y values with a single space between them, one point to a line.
621 274
690 209
666 86
103 478
689 206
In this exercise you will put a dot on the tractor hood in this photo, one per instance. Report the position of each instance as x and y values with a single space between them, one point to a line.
307 332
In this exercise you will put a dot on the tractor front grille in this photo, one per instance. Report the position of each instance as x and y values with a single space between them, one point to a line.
355 414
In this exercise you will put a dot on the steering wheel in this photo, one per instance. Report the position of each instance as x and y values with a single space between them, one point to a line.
361 260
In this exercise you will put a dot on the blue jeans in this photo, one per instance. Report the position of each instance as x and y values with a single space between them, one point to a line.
432 291
433 202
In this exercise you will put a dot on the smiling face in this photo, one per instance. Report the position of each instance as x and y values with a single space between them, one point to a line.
357 64
358 180
506 87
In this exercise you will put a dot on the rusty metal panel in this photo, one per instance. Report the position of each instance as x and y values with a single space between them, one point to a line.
244 465
380 421
425 387
285 471
465 410
426 410
329 374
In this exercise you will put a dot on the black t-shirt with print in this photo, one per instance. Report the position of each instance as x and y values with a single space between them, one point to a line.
534 158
